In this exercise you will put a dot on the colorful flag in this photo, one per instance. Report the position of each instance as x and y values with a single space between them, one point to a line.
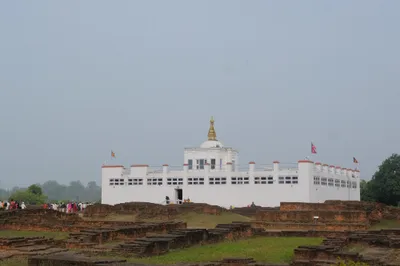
355 160
313 148
112 154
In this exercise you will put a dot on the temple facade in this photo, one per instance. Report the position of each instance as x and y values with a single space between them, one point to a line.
211 174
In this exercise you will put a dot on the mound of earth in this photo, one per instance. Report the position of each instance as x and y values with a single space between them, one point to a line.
146 210
39 217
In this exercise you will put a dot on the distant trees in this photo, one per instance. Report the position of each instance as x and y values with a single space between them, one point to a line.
53 191
384 186
32 195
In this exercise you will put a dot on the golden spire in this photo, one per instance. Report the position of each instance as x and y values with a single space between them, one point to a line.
211 132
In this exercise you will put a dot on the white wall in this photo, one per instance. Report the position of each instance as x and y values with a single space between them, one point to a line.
223 194
320 192
228 194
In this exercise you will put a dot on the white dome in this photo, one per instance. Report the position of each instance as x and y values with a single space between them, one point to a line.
211 144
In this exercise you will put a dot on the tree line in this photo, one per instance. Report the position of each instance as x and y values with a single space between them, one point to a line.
52 191
384 187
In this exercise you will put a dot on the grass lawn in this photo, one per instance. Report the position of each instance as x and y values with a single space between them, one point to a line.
15 233
386 224
262 249
14 262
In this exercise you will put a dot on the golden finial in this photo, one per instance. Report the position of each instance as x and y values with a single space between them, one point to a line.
211 132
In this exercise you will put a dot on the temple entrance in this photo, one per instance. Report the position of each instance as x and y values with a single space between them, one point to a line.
178 196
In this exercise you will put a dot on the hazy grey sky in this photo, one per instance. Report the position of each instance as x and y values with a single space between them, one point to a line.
79 78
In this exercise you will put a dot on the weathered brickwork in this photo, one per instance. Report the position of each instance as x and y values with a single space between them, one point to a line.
145 210
182 238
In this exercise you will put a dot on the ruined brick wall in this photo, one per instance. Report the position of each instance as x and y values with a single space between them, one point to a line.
374 211
145 210
308 216
38 220
251 211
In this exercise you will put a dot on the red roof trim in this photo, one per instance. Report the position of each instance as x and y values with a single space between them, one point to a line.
112 166
305 161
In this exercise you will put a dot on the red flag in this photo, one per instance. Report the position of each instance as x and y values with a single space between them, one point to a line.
313 148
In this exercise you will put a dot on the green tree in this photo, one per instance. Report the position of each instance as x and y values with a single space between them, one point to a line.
35 189
28 197
385 184
366 192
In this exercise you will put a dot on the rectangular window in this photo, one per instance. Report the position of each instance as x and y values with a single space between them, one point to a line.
217 180
240 180
154 181
213 164
135 181
354 185
316 180
190 164
174 181
270 180
324 181
117 182
330 182
343 183
260 180
281 180
337 183
195 181
200 164
288 180
295 180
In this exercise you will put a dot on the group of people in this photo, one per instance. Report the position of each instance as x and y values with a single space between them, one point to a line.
12 205
70 207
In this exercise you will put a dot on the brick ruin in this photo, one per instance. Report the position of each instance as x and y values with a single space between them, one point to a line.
145 210
343 224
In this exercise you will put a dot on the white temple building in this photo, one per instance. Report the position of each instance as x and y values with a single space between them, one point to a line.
211 174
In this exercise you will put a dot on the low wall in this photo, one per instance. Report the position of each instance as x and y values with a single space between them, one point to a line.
146 210
94 236
308 216
309 226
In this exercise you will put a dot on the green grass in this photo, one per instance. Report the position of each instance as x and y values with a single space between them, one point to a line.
262 249
15 233
386 224
14 262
